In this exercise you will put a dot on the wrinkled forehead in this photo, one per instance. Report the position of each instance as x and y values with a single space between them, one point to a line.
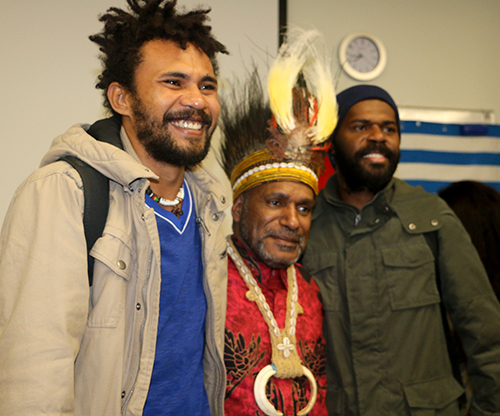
286 189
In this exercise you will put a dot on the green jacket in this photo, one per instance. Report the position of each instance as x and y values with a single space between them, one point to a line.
387 351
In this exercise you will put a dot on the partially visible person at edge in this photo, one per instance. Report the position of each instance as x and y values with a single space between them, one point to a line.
274 315
477 205
150 340
386 255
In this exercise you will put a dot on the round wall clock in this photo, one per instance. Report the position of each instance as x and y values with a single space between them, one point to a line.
362 56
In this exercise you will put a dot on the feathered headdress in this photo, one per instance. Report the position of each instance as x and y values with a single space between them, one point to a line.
282 139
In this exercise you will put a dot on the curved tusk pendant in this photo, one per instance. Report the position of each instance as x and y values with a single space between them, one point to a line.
259 391
314 392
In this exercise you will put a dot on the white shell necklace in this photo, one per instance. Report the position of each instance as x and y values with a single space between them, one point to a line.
167 202
286 362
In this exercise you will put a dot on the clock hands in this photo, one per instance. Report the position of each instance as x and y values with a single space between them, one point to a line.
356 58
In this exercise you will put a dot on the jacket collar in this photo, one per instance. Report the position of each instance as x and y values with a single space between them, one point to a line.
418 210
331 192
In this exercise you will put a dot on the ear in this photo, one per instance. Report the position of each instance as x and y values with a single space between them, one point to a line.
236 209
119 98
331 150
331 157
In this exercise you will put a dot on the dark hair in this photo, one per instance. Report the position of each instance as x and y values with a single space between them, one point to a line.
125 33
477 205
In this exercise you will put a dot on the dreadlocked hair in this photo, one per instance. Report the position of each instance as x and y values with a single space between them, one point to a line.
244 123
125 33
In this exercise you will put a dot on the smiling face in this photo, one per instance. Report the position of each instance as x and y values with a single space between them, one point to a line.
273 221
174 107
366 146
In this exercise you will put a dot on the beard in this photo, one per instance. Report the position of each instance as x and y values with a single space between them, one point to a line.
157 139
257 246
359 178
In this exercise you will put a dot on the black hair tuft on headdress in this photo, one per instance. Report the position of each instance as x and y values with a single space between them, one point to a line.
244 122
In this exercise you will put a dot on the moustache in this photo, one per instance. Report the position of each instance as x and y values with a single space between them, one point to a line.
285 234
188 114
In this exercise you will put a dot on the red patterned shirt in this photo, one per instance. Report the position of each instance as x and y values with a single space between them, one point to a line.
248 343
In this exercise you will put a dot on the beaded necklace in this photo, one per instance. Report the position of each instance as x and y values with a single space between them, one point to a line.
175 203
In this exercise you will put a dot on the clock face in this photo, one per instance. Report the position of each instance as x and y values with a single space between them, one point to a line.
362 54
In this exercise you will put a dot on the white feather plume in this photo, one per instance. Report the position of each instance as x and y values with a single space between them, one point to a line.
296 57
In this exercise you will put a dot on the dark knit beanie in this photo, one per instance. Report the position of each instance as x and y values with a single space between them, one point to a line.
347 98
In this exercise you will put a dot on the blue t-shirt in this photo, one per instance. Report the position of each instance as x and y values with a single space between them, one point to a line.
177 382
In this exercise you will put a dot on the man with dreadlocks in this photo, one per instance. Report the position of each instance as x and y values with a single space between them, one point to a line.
147 338
274 349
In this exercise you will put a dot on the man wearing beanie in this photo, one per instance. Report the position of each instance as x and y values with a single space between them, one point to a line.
387 257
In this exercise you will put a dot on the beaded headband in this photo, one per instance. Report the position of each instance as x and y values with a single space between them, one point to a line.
261 167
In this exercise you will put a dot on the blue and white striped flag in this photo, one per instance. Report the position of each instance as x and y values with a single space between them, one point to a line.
433 155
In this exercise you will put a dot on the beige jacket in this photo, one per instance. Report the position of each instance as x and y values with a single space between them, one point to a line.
68 350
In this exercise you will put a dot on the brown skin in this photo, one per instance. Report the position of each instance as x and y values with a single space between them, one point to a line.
169 78
365 122
273 221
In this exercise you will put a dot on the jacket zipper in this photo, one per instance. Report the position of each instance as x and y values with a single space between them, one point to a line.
357 219
210 340
141 334
201 224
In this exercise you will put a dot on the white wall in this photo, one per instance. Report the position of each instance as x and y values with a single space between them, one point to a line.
49 67
441 53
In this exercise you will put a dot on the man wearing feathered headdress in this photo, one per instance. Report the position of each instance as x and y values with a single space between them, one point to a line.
274 347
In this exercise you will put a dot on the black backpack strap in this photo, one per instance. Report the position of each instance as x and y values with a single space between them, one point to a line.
107 130
96 186
96 204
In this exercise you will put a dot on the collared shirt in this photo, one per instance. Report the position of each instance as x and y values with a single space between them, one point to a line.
248 344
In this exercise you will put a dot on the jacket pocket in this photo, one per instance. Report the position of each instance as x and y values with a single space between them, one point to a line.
323 268
112 270
411 275
436 397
